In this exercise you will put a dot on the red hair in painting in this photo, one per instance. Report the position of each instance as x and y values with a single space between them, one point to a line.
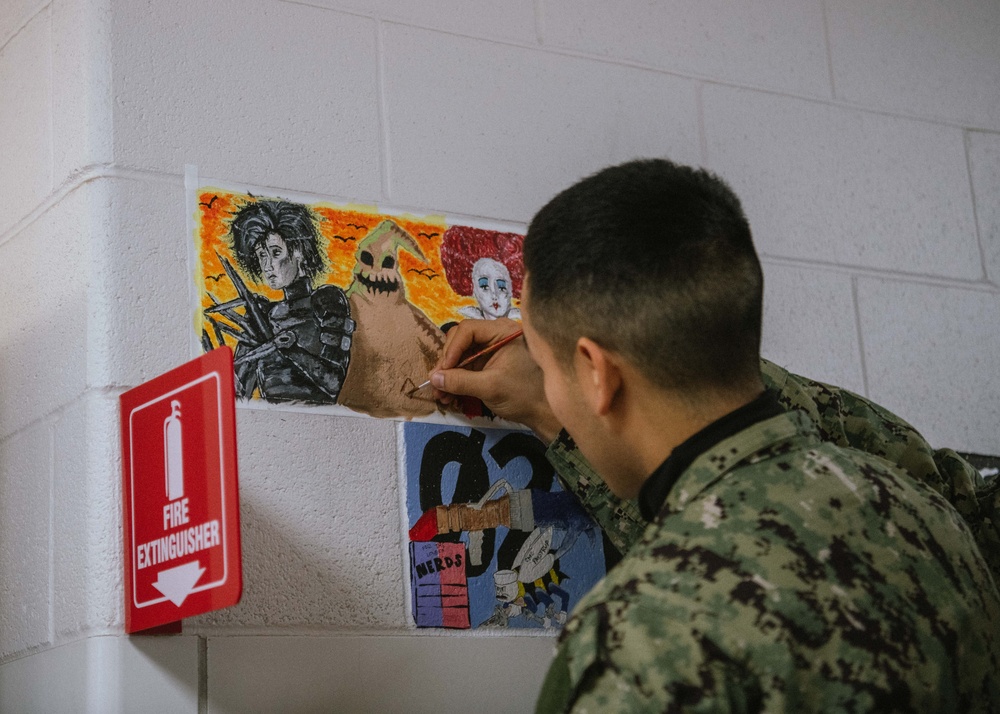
462 246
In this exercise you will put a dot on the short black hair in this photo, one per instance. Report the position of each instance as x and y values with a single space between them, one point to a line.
654 261
294 222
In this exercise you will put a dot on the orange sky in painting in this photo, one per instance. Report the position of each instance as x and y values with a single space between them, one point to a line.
341 228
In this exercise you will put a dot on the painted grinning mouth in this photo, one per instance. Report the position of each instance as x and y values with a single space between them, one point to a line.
379 285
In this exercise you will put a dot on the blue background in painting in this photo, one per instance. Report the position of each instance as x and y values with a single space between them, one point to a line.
584 563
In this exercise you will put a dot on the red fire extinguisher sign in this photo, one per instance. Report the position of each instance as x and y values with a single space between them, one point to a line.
180 495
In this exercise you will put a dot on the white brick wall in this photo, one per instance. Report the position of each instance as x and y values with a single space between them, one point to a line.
863 138
81 87
810 324
110 675
488 129
141 315
43 353
320 516
26 462
25 120
14 14
932 350
777 44
86 519
377 674
984 163
831 185
513 20
931 59
272 93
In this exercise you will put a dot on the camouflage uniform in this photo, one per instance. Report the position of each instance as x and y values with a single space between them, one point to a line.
784 573
852 589
841 417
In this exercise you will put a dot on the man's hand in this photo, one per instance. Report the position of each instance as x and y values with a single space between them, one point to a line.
507 381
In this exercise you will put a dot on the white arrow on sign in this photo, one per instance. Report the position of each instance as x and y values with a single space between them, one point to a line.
177 583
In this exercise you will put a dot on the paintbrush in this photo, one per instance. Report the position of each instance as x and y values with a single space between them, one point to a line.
489 349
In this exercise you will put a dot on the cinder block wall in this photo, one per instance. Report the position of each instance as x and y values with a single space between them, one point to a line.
863 137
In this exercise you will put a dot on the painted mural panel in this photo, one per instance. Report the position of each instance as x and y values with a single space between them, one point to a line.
339 306
492 532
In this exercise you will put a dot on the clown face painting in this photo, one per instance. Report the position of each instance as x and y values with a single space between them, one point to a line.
491 286
486 266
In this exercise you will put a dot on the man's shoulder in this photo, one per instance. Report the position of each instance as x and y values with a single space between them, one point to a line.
788 558
822 486
775 459
776 584
788 517
789 447
849 419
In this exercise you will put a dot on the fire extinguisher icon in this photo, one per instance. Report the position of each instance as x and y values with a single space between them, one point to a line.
173 452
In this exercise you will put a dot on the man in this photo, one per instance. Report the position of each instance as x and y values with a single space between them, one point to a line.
776 571
303 349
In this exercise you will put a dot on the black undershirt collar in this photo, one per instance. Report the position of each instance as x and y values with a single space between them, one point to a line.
655 489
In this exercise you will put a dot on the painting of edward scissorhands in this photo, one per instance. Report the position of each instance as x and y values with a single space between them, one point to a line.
340 306
493 541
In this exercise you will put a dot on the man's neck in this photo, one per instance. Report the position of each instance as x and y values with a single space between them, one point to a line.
658 486
663 420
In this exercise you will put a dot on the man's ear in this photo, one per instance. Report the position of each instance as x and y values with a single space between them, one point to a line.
598 375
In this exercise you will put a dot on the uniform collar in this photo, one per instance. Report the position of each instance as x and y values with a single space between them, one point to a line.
656 488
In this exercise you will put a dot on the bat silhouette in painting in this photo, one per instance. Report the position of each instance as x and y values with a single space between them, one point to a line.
428 273
209 204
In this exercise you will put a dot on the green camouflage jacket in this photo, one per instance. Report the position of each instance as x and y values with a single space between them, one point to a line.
785 573
841 417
